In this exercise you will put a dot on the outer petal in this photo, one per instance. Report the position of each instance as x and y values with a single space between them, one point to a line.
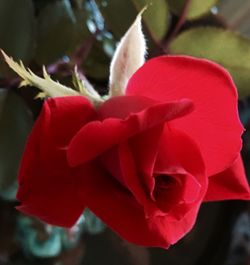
47 188
230 184
117 207
214 124
96 137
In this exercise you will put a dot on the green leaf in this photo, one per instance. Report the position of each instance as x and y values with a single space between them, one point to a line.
60 29
196 8
96 66
81 30
15 124
17 30
224 47
120 14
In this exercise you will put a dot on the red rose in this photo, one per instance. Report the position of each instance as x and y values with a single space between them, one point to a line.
143 162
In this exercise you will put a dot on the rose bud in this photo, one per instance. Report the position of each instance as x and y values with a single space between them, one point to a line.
167 139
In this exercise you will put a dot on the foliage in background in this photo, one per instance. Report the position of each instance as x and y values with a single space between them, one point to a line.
222 46
62 34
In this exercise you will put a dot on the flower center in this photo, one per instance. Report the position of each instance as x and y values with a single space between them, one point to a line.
163 181
167 191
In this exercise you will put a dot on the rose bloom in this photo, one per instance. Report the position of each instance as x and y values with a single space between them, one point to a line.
143 162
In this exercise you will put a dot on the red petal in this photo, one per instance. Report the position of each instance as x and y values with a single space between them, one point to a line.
214 124
180 158
96 137
134 181
179 150
122 106
132 162
46 183
230 184
107 198
144 148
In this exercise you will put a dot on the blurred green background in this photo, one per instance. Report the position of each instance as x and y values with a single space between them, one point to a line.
63 33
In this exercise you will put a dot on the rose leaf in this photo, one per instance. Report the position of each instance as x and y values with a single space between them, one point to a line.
15 124
17 30
196 8
60 29
119 15
224 47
